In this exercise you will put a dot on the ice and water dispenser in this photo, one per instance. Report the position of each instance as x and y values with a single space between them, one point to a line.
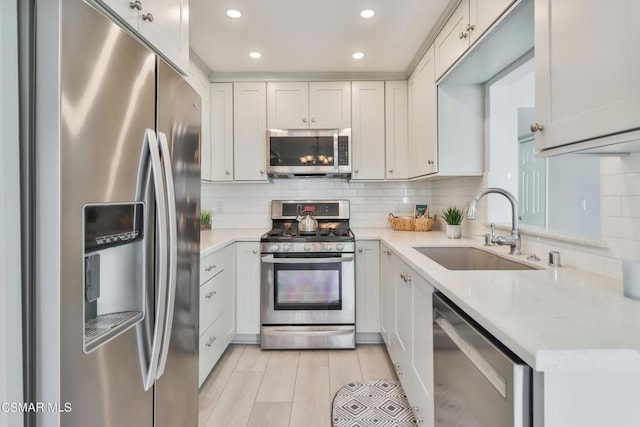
113 271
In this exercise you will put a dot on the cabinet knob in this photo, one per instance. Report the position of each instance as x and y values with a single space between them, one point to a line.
430 162
147 17
313 119
209 268
390 170
471 27
255 251
227 172
304 120
135 5
463 35
360 250
261 171
356 171
535 127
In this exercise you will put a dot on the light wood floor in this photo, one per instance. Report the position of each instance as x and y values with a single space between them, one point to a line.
251 387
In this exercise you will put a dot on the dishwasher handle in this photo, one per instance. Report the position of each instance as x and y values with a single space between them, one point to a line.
485 368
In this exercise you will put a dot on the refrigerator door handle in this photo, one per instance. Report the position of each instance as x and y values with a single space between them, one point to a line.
173 251
151 154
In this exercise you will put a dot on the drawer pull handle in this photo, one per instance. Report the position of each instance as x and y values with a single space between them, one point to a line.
211 267
210 342
210 295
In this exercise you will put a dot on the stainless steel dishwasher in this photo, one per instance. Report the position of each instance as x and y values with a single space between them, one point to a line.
478 382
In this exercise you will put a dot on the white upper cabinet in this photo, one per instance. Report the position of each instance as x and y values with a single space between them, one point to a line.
423 144
367 133
250 131
288 105
465 26
330 105
221 132
199 81
587 70
315 105
163 23
397 131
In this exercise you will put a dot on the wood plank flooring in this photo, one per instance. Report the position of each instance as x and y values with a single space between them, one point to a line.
251 387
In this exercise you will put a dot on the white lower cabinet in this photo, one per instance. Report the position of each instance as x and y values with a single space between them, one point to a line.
407 331
367 286
217 307
248 288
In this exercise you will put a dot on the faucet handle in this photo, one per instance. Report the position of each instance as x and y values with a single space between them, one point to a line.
493 230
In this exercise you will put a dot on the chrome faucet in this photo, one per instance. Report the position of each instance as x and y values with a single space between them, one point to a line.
514 240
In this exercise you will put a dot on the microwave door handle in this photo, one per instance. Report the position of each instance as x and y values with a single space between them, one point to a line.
150 159
336 153
172 249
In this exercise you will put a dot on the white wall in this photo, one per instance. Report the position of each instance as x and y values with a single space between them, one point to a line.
248 205
10 284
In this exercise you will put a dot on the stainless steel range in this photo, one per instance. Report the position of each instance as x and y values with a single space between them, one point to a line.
307 290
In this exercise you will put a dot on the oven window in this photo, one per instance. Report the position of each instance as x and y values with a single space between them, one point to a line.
308 286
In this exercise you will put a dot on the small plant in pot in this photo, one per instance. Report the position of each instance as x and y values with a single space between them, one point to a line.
205 219
453 217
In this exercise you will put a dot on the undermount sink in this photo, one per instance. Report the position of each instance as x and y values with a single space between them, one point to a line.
468 258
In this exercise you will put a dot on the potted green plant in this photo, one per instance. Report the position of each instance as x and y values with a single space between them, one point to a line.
205 219
453 217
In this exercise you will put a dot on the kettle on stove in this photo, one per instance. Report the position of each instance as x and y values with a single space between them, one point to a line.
307 222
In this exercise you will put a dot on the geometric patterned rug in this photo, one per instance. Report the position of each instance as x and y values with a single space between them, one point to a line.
374 403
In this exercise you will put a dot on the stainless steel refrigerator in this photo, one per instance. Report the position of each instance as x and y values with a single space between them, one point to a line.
116 226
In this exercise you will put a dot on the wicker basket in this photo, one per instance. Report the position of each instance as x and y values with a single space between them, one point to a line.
407 223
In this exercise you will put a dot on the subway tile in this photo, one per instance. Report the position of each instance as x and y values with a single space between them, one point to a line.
612 206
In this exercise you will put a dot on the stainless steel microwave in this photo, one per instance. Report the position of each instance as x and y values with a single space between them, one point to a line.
309 152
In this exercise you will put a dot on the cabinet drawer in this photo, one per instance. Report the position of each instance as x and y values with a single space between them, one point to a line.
211 301
211 265
212 345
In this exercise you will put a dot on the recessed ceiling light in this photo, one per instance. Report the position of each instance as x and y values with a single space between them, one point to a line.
367 13
232 13
255 55
358 55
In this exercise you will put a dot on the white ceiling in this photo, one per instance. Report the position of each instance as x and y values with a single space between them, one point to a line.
305 36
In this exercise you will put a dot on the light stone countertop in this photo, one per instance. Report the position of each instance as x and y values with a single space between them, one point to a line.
555 319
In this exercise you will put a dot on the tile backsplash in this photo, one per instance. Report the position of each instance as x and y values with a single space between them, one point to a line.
248 205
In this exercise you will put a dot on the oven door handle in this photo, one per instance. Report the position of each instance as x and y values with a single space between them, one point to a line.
270 259
320 333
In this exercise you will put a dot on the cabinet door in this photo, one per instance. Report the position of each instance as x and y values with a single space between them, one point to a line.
247 288
221 159
482 14
397 130
288 105
420 393
587 68
367 287
367 133
230 292
423 145
402 328
249 131
386 296
165 23
199 81
453 39
330 105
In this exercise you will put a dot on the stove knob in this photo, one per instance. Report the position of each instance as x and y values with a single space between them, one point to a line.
328 247
286 247
340 247
273 247
307 247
